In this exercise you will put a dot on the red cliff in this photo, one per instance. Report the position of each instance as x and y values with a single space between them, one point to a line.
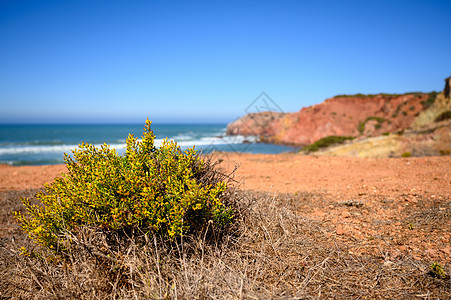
342 116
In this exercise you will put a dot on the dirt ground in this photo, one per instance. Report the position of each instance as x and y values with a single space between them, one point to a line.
396 206
291 173
343 176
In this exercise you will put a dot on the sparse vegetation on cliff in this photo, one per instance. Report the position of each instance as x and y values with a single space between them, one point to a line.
398 109
430 100
374 95
406 154
361 126
326 142
443 116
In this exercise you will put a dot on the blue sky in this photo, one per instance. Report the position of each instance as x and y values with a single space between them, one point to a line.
206 61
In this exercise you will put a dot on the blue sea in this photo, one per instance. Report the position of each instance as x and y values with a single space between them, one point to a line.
46 144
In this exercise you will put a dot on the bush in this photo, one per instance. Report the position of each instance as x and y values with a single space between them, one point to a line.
443 116
380 94
361 125
148 189
326 142
406 154
398 109
430 100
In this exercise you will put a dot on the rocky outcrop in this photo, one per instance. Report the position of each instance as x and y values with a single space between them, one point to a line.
356 116
256 124
446 91
441 104
430 140
413 124
429 135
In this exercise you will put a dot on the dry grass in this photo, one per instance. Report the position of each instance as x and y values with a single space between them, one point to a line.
274 252
431 214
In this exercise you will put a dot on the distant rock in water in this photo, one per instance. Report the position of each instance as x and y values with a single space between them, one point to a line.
259 124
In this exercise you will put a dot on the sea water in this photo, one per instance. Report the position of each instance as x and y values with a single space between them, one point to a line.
46 144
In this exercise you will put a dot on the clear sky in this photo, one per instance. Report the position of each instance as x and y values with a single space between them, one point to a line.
206 61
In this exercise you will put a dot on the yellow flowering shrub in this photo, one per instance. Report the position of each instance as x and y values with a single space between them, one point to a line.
162 190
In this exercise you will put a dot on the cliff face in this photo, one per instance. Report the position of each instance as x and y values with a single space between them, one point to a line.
262 124
441 104
430 140
429 134
342 116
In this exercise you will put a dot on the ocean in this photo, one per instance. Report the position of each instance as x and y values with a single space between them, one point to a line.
46 144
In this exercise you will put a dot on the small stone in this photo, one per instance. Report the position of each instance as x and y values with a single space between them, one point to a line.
340 231
346 214
388 263
431 252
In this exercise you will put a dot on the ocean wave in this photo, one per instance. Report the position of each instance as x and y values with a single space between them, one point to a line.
182 142
184 137
32 162
46 149
218 140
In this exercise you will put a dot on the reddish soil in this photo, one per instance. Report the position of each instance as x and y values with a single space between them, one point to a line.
27 177
390 206
291 173
398 205
344 176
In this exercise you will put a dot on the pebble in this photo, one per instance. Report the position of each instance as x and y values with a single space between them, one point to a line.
340 231
346 214
431 252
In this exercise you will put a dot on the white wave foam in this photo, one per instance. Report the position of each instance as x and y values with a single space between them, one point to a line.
205 141
36 149
184 137
47 149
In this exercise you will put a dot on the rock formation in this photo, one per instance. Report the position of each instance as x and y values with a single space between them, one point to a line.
446 90
416 124
441 104
342 115
428 135
430 140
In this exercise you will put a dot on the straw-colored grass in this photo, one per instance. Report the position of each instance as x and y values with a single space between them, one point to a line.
273 252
